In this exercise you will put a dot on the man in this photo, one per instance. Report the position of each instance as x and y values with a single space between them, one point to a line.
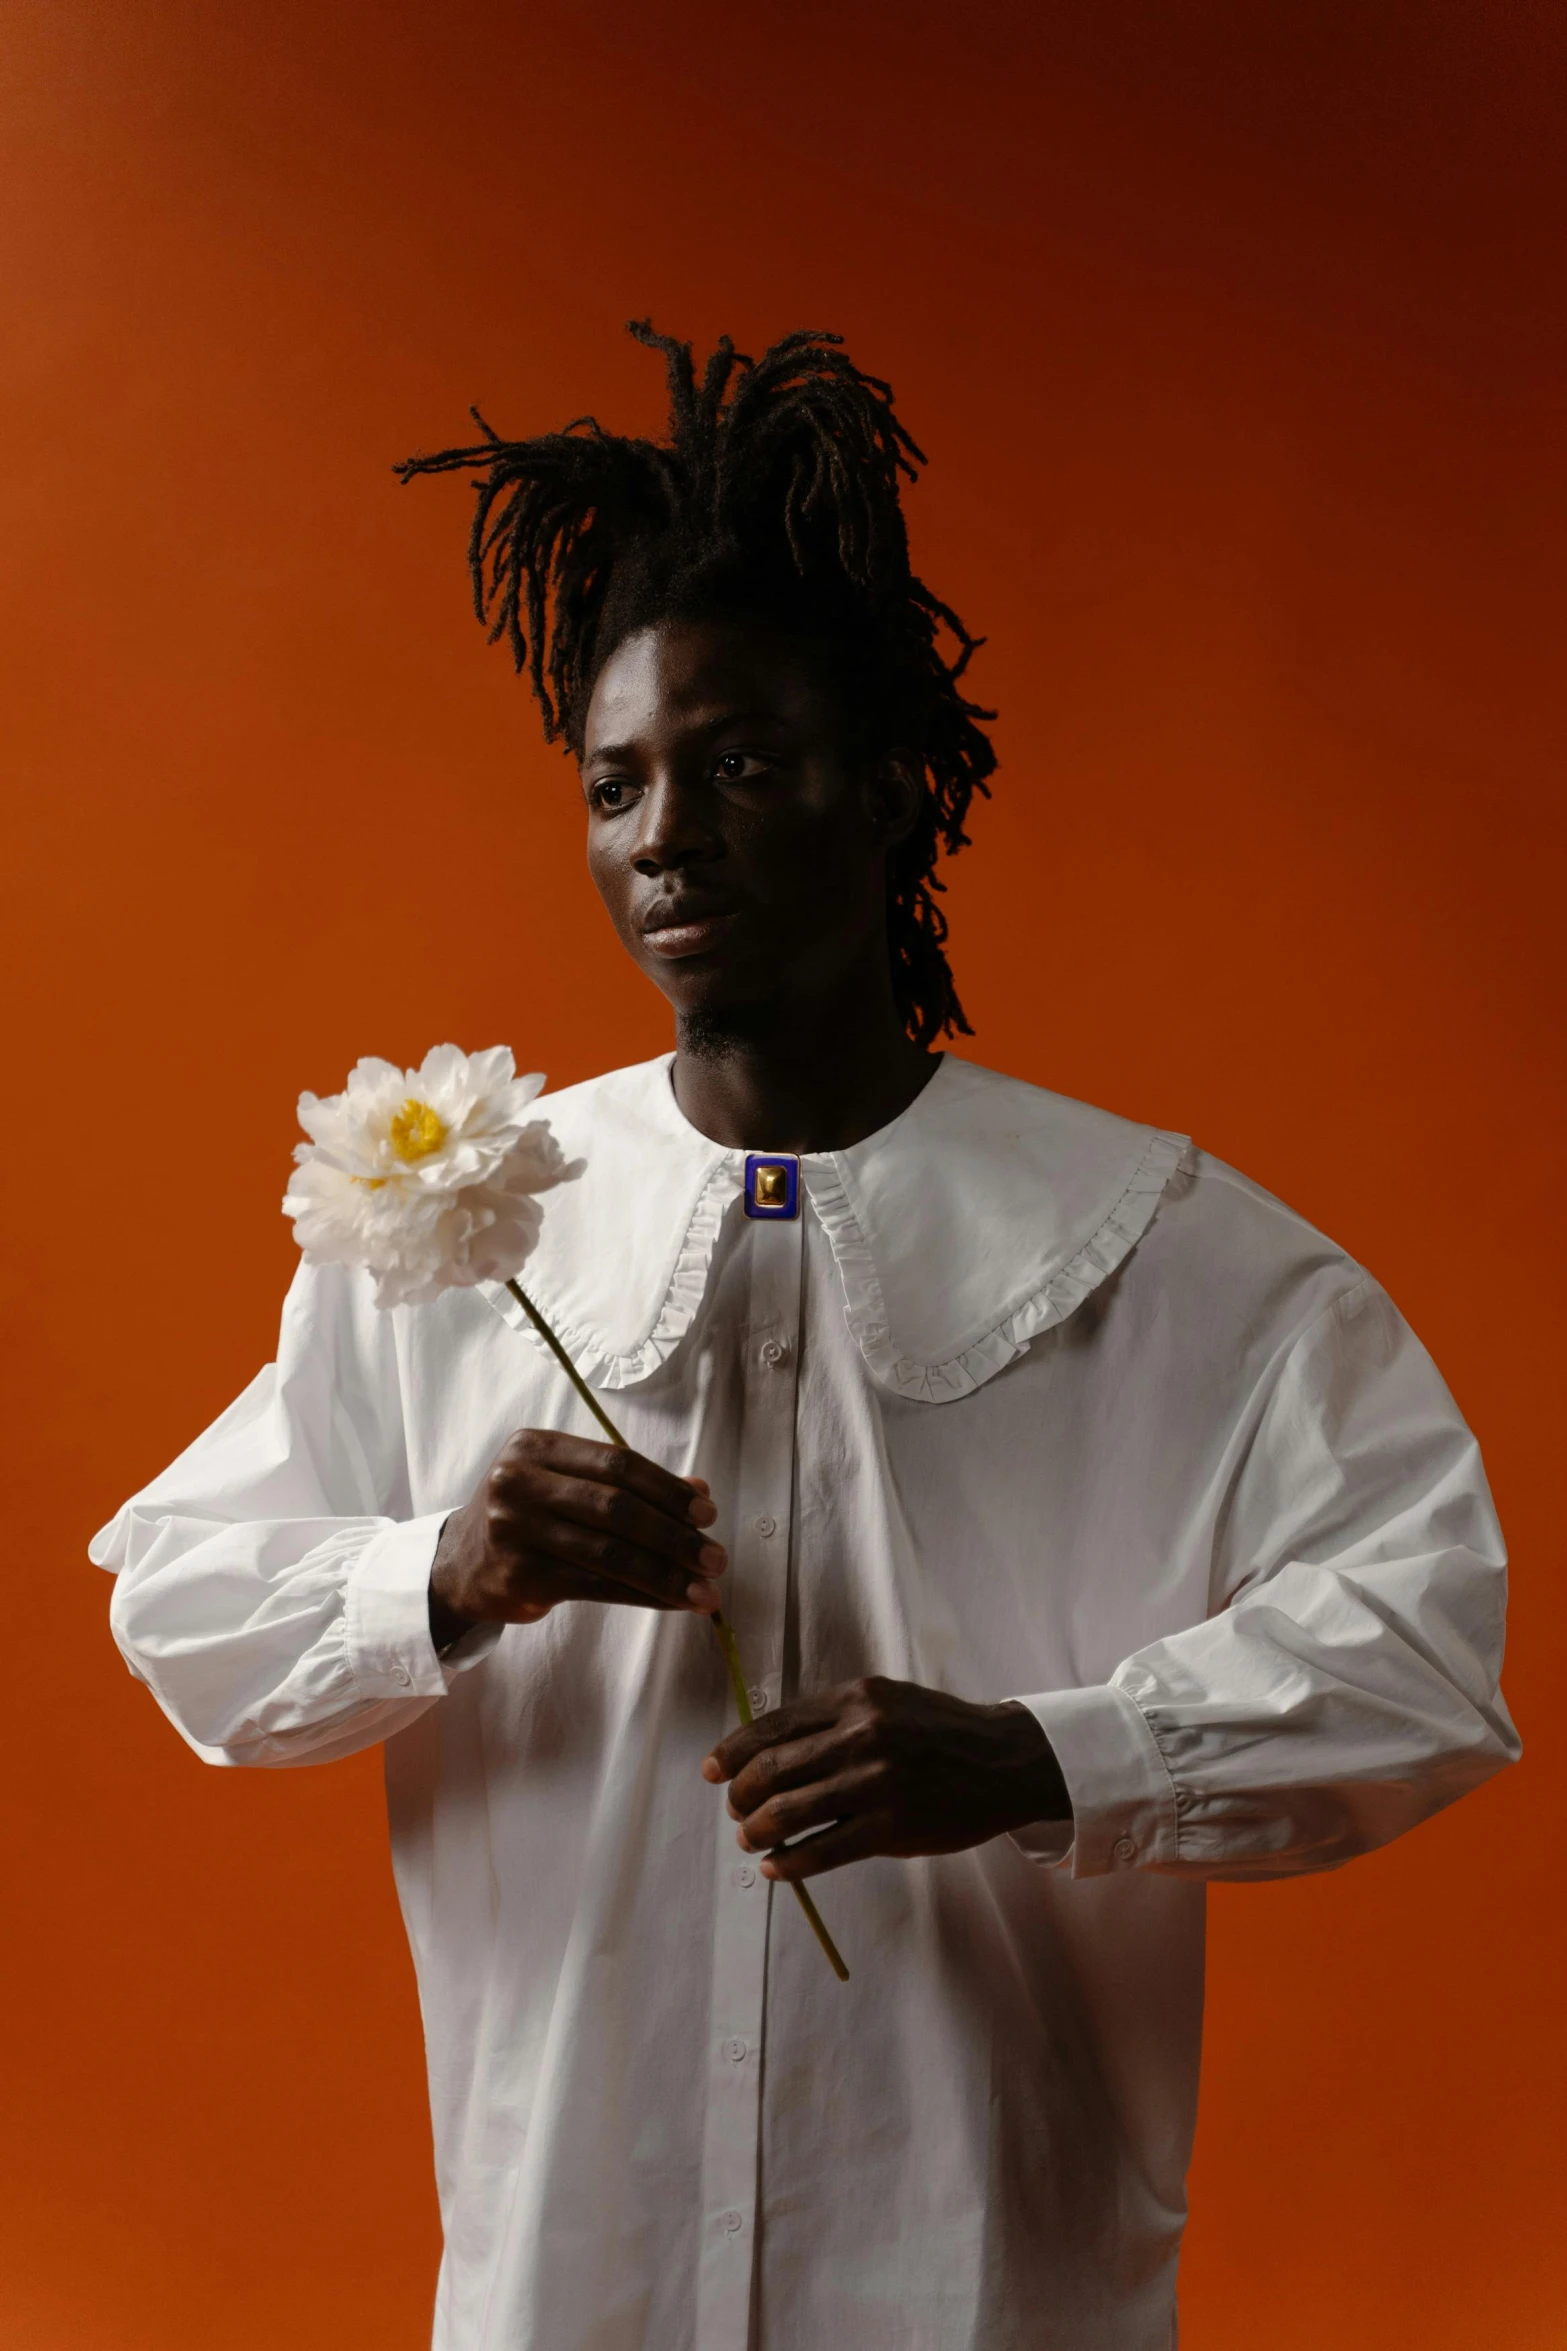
1089 1525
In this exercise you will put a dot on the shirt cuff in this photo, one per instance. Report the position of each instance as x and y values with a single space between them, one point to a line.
1123 1800
387 1604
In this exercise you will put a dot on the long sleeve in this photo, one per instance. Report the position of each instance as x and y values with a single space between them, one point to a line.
1345 1686
271 1584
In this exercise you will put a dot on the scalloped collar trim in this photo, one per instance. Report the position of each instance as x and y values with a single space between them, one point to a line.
979 1218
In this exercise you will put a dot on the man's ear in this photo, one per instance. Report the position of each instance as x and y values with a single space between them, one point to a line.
894 788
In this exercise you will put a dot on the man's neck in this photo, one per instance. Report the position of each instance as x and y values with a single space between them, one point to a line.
799 1078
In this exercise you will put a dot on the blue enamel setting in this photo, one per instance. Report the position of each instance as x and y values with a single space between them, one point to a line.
772 1184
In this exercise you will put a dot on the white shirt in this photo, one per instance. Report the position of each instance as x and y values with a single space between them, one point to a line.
1029 1400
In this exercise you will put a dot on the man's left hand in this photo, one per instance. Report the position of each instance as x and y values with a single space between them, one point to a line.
884 1767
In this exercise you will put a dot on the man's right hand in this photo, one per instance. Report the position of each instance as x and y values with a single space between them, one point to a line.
563 1518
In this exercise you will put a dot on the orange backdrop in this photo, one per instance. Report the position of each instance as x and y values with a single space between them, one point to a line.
1234 332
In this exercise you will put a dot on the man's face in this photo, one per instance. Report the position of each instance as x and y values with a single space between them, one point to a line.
737 842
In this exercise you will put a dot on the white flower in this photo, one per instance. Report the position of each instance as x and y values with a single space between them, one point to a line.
425 1177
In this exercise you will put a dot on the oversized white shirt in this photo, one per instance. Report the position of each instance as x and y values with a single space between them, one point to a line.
1027 1401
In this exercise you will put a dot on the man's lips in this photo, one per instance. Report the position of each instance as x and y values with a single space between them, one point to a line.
677 930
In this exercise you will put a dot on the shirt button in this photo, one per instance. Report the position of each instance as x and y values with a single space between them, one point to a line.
765 1525
745 1875
773 1353
735 2052
400 1673
734 2221
759 1700
1123 1848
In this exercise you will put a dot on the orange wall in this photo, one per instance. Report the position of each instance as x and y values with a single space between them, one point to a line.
1235 333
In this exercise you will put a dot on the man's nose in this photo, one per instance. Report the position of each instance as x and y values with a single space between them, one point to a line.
673 829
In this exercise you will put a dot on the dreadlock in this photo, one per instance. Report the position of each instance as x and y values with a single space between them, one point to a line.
775 497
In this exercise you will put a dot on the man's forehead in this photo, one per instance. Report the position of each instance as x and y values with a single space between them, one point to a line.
696 679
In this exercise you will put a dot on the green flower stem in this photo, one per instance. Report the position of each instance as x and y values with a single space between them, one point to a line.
565 1362
730 1648
721 1626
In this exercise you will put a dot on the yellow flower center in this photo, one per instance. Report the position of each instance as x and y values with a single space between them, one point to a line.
416 1131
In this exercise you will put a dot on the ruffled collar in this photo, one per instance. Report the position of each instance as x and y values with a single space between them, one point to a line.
981 1216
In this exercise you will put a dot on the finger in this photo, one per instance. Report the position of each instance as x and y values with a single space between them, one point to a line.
800 1716
554 1583
577 1584
611 1510
612 1561
611 1465
794 1812
854 1840
790 1765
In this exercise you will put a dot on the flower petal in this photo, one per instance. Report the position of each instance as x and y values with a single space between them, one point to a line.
463 1213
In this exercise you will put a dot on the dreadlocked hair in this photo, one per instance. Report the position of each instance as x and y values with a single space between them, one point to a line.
774 498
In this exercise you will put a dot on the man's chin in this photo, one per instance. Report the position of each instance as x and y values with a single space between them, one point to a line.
709 1030
718 1000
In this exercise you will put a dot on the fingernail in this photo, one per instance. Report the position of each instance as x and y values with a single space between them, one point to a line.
702 1596
710 1770
713 1557
702 1512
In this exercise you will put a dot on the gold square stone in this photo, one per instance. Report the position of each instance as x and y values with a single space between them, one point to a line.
771 1187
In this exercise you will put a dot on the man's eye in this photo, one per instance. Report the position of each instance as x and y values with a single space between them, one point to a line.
610 792
736 767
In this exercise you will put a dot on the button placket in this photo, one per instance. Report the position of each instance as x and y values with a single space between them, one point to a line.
758 1579
755 1598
